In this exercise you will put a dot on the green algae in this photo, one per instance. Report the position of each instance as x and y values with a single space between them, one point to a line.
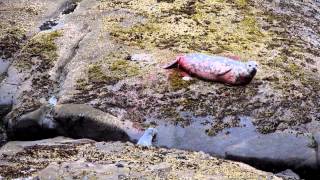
226 27
197 31
11 41
176 81
241 3
95 74
42 46
81 84
112 68
124 68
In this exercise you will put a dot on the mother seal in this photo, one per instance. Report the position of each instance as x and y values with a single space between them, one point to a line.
216 68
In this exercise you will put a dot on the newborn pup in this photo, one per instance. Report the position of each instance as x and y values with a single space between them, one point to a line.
216 68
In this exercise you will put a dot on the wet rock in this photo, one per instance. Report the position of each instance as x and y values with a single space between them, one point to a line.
3 136
9 86
288 175
48 24
83 121
34 125
71 120
276 150
85 159
271 152
70 6
4 110
4 64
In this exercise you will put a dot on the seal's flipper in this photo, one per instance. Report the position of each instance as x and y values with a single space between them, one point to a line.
224 72
174 64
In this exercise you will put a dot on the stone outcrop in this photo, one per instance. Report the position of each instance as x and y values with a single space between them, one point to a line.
86 159
71 120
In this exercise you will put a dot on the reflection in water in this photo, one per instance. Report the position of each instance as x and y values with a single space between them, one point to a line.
194 137
4 64
9 86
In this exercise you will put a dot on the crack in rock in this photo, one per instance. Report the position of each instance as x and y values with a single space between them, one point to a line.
61 73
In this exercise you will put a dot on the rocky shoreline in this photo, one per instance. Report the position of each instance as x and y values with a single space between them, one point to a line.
66 158
103 62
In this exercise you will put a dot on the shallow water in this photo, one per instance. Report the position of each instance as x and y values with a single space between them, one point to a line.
9 86
194 137
4 64
273 152
53 25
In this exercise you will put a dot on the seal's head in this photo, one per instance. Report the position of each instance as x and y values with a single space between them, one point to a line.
251 67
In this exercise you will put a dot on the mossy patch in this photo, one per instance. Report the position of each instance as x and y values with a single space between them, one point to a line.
111 69
10 42
200 29
95 74
124 68
241 3
216 27
41 46
176 81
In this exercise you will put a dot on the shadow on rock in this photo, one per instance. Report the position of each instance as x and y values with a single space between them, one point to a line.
70 120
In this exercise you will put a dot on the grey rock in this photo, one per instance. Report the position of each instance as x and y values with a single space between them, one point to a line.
4 64
143 57
288 175
85 170
277 149
32 125
65 158
71 120
83 121
4 110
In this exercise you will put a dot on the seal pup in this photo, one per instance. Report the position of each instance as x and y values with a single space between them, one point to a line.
147 137
216 68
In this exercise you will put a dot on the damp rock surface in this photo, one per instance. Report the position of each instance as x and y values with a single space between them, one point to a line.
71 120
272 152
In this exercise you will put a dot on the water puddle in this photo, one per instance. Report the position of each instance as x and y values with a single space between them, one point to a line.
69 7
4 64
49 24
58 22
273 152
194 137
9 86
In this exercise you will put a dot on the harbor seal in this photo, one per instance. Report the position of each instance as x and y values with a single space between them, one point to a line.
216 68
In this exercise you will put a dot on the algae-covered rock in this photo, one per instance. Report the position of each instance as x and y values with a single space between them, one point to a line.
86 61
62 158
